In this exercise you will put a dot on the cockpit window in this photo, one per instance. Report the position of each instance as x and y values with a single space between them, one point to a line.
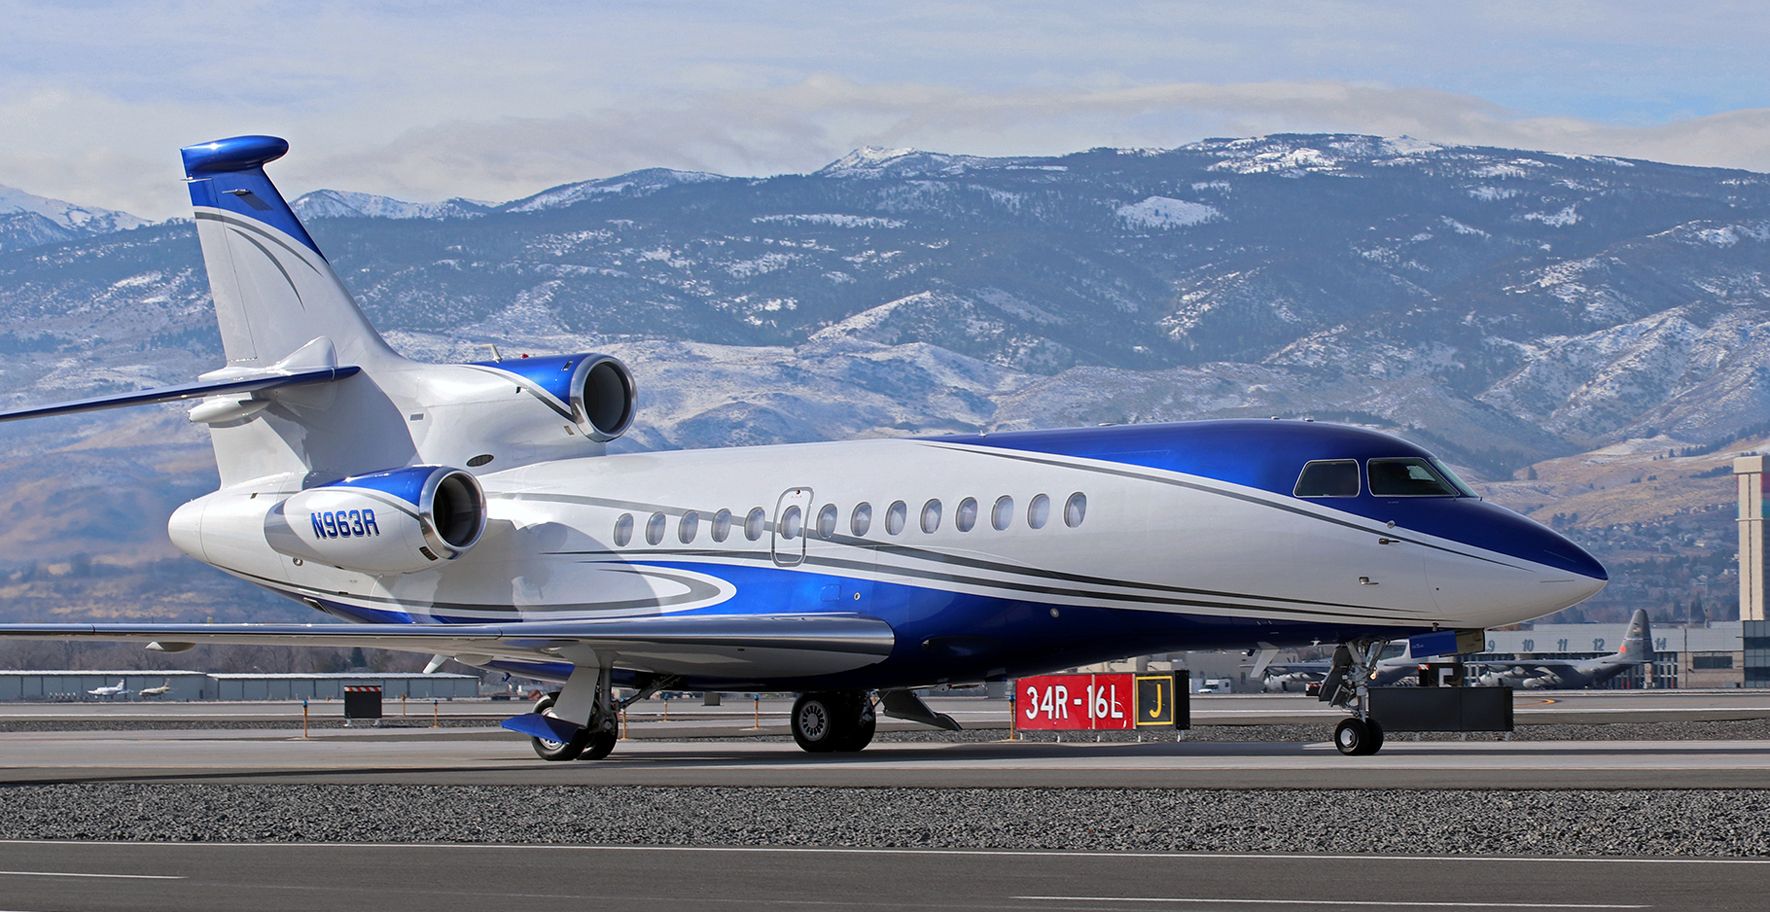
1455 482
1408 477
1328 478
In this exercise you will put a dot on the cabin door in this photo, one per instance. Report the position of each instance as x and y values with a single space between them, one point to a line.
791 522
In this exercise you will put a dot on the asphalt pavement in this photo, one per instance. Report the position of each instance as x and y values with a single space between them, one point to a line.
95 877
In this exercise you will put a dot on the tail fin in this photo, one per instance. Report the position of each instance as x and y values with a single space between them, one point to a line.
274 291
1637 645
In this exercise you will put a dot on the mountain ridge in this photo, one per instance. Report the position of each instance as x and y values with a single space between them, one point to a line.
1518 311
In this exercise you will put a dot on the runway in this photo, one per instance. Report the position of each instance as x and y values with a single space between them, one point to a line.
737 713
41 876
489 757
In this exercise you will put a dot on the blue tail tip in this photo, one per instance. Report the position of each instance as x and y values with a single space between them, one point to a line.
236 153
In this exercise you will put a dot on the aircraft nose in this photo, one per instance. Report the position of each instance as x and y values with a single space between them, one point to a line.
1569 556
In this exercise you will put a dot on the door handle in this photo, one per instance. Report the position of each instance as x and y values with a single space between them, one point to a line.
1383 540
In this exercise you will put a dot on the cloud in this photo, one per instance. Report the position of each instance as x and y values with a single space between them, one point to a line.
801 126
432 100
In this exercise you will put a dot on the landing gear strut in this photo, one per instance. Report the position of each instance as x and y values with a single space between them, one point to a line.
1348 687
834 721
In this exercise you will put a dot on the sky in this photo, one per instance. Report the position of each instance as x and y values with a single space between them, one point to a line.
426 101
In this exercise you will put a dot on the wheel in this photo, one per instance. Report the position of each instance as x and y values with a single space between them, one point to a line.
1352 737
599 745
866 722
816 721
1376 737
548 749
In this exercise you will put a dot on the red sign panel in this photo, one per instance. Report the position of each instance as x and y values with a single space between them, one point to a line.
1077 702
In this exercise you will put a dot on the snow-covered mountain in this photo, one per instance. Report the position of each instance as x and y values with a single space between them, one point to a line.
350 204
1509 308
28 220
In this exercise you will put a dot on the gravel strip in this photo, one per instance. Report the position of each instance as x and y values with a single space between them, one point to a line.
1667 823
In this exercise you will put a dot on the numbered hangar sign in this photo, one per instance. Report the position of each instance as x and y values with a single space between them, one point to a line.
1100 702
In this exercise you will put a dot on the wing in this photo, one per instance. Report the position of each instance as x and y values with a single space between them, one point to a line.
183 391
1285 668
711 645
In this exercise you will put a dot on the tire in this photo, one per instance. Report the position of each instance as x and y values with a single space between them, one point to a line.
866 722
1352 738
556 751
1376 737
817 722
599 745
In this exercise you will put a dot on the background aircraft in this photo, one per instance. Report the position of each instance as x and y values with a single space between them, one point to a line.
108 691
472 511
1571 674
164 689
1398 667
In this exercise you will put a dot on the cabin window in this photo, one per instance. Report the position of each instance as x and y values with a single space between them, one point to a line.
654 529
688 527
1328 478
895 516
1407 477
965 517
862 520
624 530
1075 509
792 523
754 522
1002 514
721 525
1039 511
826 522
931 515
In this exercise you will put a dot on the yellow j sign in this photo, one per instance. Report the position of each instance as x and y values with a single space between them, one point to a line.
1155 700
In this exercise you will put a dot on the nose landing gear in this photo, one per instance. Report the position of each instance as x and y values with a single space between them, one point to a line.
1348 687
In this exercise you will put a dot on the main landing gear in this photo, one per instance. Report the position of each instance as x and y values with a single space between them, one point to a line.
589 743
1348 687
580 721
834 721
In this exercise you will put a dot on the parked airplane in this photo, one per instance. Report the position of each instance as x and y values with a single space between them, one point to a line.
1571 674
471 511
164 689
107 691
1394 664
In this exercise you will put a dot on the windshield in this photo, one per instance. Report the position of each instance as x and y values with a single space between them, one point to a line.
1456 482
1408 476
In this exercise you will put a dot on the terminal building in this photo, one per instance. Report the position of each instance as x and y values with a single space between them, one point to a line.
181 686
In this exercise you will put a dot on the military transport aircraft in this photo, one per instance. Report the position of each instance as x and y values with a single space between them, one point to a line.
471 511
1571 674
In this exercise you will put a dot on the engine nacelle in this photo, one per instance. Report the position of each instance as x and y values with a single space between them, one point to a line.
396 521
596 391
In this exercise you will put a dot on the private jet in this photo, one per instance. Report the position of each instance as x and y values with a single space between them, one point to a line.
474 512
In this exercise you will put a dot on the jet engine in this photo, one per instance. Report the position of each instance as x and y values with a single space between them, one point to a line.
394 521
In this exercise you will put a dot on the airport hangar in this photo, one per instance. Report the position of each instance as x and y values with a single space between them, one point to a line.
63 686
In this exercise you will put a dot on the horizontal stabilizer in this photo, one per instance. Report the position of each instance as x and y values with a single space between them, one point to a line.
185 391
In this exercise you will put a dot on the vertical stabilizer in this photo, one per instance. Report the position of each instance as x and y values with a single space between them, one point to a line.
274 291
1637 645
